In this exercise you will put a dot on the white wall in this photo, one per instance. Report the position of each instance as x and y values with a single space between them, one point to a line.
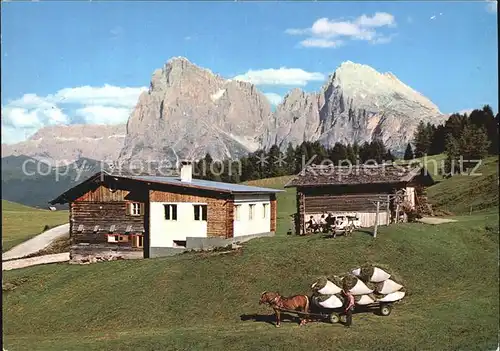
163 232
259 224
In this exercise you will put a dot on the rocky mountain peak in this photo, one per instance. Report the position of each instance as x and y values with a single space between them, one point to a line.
189 111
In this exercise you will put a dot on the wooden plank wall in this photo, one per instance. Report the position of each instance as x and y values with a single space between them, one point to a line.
217 209
103 214
274 213
105 207
336 203
229 218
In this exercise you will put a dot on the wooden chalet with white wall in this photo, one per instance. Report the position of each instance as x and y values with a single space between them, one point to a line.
149 216
353 191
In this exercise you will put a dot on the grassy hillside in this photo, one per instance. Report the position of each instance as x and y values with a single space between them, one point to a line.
19 222
200 302
207 301
463 193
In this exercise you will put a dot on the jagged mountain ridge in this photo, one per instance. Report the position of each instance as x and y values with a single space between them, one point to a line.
67 143
356 104
189 111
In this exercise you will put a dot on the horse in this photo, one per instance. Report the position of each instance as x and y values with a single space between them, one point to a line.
278 302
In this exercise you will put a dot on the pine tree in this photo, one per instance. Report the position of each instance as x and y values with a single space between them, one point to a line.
337 153
365 152
274 166
408 153
473 145
422 140
389 157
207 164
452 150
455 124
350 155
438 140
290 159
378 150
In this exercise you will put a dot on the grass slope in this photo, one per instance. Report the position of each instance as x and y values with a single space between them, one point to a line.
20 223
198 301
461 193
203 301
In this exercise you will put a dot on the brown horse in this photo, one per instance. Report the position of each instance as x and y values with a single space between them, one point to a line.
278 302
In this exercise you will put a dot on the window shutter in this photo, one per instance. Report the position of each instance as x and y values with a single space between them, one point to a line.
167 211
142 209
174 212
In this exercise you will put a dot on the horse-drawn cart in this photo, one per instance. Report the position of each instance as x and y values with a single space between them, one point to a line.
333 315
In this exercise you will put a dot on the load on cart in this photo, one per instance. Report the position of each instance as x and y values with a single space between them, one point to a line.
372 288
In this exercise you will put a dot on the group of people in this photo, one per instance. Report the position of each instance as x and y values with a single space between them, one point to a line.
323 225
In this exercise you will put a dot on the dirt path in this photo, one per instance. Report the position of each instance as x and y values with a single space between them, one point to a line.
33 261
37 243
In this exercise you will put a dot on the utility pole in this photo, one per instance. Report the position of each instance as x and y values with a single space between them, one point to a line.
376 220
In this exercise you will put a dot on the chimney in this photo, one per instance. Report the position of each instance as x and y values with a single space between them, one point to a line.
186 171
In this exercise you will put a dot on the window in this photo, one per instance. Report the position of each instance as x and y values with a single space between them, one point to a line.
117 238
170 212
200 212
264 210
179 243
237 212
137 241
113 238
135 209
251 211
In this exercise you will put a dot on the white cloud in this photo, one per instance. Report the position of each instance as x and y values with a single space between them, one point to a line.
491 6
433 17
320 43
280 76
324 30
96 105
383 39
104 114
274 98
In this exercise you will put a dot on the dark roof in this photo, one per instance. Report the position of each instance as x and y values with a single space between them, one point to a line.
321 175
173 181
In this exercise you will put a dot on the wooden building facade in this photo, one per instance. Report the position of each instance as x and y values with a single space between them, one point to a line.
147 216
354 191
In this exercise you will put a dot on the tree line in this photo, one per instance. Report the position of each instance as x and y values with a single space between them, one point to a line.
274 162
473 136
462 138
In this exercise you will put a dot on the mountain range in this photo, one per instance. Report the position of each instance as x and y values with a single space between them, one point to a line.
189 111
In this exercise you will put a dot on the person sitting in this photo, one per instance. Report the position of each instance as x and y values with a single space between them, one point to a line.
313 225
322 223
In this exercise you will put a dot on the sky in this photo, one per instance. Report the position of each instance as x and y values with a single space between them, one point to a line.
87 62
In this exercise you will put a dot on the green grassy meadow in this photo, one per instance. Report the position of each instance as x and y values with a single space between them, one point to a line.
203 301
20 223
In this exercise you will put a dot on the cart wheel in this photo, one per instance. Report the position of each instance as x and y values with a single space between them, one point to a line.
334 318
385 310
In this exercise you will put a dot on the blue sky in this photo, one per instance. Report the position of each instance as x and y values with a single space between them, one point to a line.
86 62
